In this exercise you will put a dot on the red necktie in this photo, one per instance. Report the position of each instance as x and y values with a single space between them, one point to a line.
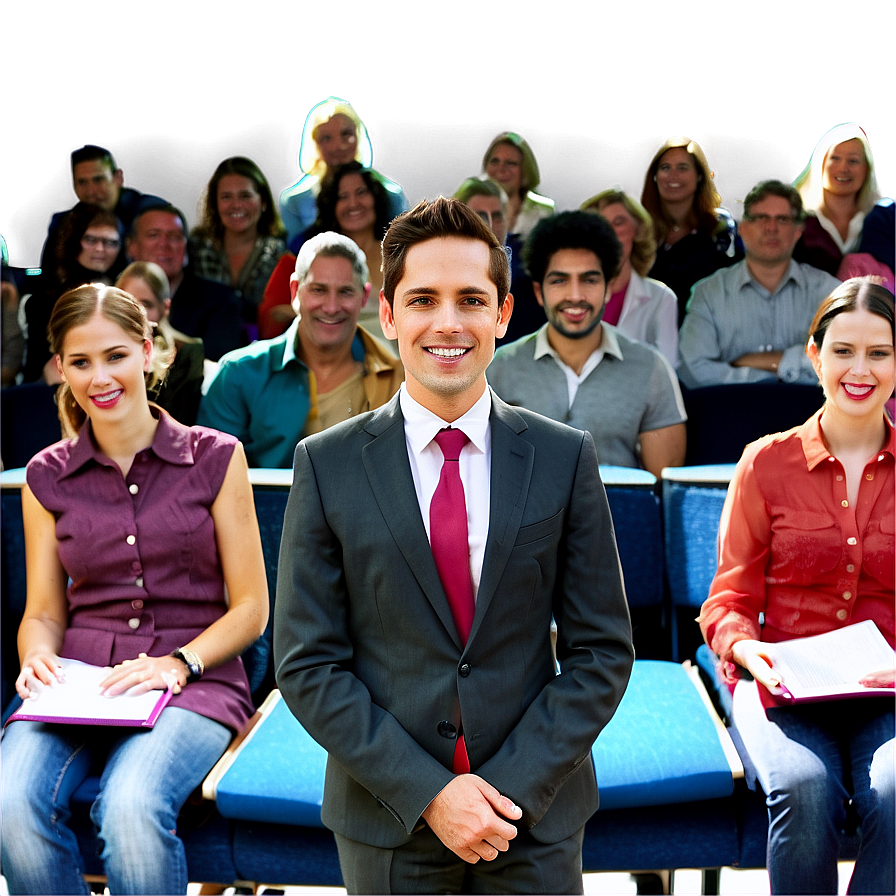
451 549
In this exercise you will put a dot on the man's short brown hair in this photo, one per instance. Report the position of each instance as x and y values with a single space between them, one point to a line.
430 220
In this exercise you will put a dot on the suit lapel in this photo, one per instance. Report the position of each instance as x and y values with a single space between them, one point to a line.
513 458
388 470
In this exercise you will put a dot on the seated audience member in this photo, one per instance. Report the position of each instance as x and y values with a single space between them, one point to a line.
13 345
322 370
240 238
838 189
202 308
639 307
748 323
805 548
181 390
509 160
354 202
172 606
88 250
695 236
333 135
583 372
98 181
487 198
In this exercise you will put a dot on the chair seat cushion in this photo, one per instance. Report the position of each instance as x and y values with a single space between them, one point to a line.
662 746
277 776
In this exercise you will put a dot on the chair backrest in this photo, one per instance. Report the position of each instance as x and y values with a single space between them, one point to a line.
29 421
271 491
635 508
723 420
692 507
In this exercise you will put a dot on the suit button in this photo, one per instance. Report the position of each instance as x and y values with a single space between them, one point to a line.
446 729
465 670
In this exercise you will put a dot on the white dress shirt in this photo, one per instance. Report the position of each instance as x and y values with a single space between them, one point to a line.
420 428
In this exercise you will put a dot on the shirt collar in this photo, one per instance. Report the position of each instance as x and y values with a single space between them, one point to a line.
291 337
815 449
794 272
609 344
421 424
171 443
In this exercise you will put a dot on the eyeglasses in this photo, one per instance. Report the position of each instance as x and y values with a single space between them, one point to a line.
108 243
780 220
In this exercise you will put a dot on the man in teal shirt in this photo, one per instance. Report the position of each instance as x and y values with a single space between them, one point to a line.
322 370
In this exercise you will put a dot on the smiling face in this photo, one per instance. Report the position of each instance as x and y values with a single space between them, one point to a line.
770 231
676 176
355 206
159 237
856 364
845 169
505 165
446 318
337 140
99 248
328 303
573 292
239 204
104 367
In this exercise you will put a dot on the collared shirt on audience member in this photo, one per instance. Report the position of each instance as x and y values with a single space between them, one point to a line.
583 372
749 323
322 370
202 308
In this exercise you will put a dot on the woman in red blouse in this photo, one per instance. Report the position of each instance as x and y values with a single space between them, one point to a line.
142 556
806 545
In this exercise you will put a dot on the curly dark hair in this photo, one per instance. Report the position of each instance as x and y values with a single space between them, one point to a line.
571 230
67 271
329 196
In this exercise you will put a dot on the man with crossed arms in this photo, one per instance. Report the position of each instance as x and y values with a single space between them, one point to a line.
418 581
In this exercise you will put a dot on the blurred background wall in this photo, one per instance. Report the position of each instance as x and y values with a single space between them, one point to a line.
174 86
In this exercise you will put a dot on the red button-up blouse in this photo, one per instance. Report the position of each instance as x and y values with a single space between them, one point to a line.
792 548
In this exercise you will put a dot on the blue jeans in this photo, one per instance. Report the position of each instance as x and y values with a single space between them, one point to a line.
810 761
146 778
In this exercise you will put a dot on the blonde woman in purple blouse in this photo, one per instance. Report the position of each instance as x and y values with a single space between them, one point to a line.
142 555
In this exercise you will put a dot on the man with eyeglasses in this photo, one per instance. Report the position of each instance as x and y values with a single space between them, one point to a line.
749 322
199 307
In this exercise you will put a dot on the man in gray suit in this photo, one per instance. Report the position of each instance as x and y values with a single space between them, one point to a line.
433 685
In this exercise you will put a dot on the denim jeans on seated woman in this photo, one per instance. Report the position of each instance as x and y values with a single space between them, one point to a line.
810 760
147 776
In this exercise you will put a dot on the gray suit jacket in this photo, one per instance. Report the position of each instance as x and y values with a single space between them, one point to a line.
367 654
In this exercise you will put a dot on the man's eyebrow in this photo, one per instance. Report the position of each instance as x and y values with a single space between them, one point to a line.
432 291
591 273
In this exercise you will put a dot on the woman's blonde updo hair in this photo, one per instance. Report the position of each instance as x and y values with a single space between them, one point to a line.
74 309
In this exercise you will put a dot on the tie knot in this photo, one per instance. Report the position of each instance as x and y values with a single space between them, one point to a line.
451 441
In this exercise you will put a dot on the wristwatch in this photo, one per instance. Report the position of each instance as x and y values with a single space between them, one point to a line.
195 666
